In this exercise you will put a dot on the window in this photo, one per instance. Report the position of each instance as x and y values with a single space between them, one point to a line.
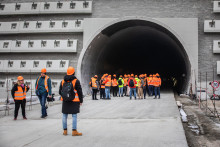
34 6
18 43
218 44
38 25
36 64
2 7
30 43
5 44
212 23
43 43
77 23
59 5
64 24
69 43
62 64
26 24
13 25
56 43
52 24
85 4
49 63
17 6
72 5
2 84
54 84
23 64
219 4
46 6
10 63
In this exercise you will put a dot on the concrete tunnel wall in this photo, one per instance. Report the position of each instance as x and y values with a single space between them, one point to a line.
154 49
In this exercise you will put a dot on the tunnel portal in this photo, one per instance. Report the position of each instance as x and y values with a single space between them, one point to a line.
138 46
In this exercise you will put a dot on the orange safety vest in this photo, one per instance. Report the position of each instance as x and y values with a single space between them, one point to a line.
125 81
114 82
45 82
102 83
150 81
76 99
94 84
20 94
157 82
108 83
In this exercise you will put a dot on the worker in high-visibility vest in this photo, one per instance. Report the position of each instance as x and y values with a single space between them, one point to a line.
125 85
128 88
107 83
18 93
72 105
43 89
102 87
157 84
120 86
145 88
140 87
114 86
137 80
95 87
150 84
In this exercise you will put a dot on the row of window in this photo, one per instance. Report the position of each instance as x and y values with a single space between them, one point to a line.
43 44
35 64
46 5
39 24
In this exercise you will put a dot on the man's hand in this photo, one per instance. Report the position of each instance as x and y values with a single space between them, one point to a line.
50 96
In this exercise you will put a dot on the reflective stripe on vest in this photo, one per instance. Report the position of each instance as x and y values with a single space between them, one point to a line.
114 82
94 83
45 82
108 83
20 94
76 99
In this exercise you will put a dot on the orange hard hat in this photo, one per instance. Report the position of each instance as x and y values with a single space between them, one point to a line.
157 74
95 76
132 75
150 75
125 75
70 70
154 75
20 78
43 70
114 75
121 76
136 76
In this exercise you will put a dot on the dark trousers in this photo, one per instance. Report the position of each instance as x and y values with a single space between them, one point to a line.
157 91
115 90
94 93
19 103
102 93
125 90
151 90
145 91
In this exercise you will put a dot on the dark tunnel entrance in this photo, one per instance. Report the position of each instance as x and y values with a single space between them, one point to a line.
138 46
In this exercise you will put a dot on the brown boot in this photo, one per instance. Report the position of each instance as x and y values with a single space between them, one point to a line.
75 133
65 132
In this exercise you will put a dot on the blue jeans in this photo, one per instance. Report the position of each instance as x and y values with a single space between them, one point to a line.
157 91
107 92
120 91
42 99
74 121
132 90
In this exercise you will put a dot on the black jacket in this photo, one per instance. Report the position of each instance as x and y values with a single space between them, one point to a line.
72 107
15 88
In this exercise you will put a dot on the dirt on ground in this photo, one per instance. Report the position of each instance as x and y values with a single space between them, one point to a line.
202 128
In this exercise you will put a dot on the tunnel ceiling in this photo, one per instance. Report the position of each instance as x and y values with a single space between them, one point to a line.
138 47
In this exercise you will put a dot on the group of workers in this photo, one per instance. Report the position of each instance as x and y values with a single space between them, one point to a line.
70 91
126 85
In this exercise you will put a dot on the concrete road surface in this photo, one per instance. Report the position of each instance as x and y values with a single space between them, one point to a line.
119 122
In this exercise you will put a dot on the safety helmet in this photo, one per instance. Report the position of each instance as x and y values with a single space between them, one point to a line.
43 70
132 75
70 70
95 76
19 78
